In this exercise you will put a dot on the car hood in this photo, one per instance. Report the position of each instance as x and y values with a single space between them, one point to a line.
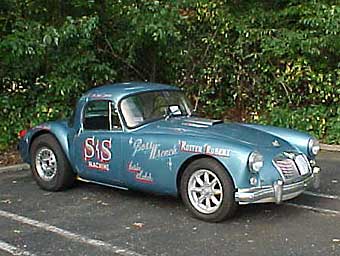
215 129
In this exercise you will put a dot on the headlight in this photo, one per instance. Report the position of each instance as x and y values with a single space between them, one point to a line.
255 162
313 147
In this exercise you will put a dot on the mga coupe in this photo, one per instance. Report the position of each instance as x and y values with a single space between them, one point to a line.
145 136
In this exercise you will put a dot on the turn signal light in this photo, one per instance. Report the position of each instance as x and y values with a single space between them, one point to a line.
22 133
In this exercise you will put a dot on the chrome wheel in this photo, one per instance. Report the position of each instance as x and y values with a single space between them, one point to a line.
205 191
46 163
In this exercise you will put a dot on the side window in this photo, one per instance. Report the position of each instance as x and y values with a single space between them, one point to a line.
98 116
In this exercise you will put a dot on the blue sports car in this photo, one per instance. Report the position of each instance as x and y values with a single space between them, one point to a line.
145 136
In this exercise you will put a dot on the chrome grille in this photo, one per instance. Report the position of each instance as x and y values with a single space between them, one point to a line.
287 168
292 165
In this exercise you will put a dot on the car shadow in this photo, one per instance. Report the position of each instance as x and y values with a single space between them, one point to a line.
169 203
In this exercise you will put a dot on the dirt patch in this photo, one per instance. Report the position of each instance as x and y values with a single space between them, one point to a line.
10 156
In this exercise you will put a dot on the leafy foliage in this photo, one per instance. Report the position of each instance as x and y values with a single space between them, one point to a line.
273 62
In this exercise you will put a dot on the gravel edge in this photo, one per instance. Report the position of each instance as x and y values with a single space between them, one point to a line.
16 167
327 147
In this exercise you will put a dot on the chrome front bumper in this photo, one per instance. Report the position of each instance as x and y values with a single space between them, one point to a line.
277 192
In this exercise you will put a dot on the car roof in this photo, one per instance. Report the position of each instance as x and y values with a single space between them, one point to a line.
118 91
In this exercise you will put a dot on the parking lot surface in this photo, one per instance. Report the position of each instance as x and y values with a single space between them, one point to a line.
96 220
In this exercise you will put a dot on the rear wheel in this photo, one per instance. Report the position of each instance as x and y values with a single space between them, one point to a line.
50 167
208 191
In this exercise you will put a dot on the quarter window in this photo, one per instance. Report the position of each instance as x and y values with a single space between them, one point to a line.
99 115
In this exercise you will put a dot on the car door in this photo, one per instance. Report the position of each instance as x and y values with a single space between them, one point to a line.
97 145
149 161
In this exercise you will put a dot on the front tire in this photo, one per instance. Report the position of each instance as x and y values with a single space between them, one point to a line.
208 191
50 167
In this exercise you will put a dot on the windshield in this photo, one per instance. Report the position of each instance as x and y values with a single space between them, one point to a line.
149 106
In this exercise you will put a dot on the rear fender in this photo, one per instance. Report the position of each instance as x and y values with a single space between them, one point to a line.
59 130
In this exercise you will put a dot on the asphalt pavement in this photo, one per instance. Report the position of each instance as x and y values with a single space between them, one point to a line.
95 220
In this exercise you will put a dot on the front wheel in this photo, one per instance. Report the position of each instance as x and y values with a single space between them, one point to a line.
208 191
50 167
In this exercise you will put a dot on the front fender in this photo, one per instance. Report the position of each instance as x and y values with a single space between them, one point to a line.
233 156
237 164
297 139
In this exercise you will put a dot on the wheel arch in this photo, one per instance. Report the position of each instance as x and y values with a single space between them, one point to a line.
62 142
193 158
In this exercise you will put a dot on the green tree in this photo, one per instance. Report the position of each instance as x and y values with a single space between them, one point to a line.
273 62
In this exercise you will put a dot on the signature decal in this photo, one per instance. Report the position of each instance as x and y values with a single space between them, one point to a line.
156 152
134 167
97 153
140 174
101 95
186 147
144 177
207 149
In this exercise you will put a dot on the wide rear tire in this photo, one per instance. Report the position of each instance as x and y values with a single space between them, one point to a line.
50 167
208 191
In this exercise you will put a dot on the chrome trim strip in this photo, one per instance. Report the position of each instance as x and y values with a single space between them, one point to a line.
267 194
100 183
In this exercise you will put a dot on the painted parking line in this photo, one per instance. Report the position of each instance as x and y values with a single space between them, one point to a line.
11 249
315 209
70 235
309 193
